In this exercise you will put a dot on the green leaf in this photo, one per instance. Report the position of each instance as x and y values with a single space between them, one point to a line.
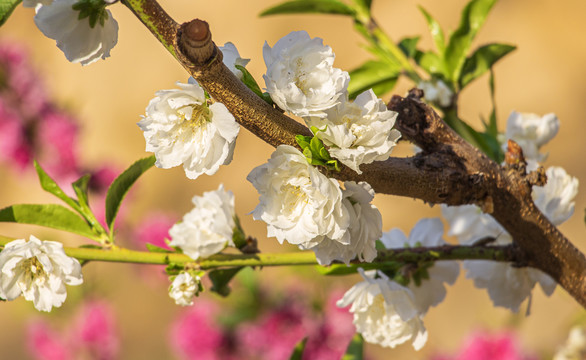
482 60
80 186
49 185
298 350
303 141
408 45
492 127
121 185
355 349
6 9
251 83
473 17
47 215
157 249
379 76
430 62
310 6
221 278
436 31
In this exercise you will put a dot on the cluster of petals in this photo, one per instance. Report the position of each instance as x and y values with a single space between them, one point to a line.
183 289
437 92
207 229
80 42
231 58
300 76
358 132
385 312
298 203
428 233
38 270
508 286
531 132
181 128
365 228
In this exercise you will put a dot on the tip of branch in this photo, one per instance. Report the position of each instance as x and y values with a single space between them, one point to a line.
195 41
196 30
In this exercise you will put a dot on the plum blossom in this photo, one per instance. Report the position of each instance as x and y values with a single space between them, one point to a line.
207 229
364 229
95 331
385 312
184 288
79 41
298 203
38 270
531 132
45 344
181 128
428 233
437 92
300 75
231 58
486 346
358 132
508 286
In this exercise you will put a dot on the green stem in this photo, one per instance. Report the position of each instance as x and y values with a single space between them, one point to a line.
439 253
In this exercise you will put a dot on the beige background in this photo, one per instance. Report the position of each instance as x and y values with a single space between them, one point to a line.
546 74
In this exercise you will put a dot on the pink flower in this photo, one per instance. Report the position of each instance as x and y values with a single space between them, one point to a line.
194 335
45 344
154 229
486 346
95 331
57 136
14 145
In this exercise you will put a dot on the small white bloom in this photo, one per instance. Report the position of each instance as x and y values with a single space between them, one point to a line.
428 233
556 198
300 75
231 58
78 41
298 203
39 270
384 311
184 288
358 132
575 346
180 128
437 92
531 132
207 229
365 228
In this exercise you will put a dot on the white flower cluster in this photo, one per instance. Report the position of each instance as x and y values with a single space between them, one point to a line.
208 228
508 286
37 270
184 288
437 92
79 41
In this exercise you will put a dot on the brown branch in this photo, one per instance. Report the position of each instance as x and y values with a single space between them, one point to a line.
449 170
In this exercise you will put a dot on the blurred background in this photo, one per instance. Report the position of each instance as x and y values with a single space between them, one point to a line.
545 74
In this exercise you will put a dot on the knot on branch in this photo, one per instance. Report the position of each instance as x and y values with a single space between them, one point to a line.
514 159
537 177
194 43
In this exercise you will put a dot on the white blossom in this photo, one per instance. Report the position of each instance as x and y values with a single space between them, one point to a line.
428 233
39 270
384 311
80 42
300 75
437 92
556 198
358 132
365 228
508 286
183 288
531 132
231 58
207 229
181 128
298 203
575 346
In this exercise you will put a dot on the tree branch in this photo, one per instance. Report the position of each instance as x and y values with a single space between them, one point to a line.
449 170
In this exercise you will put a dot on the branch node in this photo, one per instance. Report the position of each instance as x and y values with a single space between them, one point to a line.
537 177
514 158
195 43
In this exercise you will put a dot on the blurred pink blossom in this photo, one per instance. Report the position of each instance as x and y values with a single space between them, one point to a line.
154 229
95 331
14 147
486 346
46 344
57 137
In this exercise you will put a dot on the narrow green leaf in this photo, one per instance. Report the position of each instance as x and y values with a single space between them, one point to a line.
80 186
482 60
303 141
298 350
408 45
310 6
251 83
49 185
436 31
157 249
48 215
221 278
6 9
473 17
379 76
431 63
121 185
492 127
355 350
